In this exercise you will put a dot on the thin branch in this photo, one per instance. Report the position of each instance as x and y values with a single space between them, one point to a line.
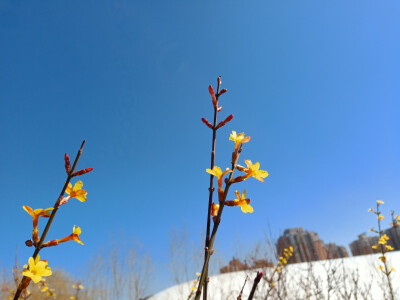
25 280
211 188
255 283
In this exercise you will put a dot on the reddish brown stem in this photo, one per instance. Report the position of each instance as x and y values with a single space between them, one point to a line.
211 188
255 283
209 249
49 222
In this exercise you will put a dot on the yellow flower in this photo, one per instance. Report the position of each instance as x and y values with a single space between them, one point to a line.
217 172
383 239
76 231
253 170
379 202
374 247
77 286
392 269
380 217
238 139
388 247
397 217
37 269
76 192
214 213
40 212
243 202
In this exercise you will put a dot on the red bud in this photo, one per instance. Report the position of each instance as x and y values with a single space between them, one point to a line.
223 91
258 277
207 123
81 172
219 108
214 100
222 123
67 163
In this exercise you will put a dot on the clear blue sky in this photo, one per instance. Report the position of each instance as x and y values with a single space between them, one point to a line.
314 83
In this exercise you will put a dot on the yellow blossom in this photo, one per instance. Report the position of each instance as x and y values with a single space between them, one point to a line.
388 247
217 172
37 269
214 210
40 212
383 239
238 139
374 247
76 231
380 217
76 191
253 170
243 202
379 202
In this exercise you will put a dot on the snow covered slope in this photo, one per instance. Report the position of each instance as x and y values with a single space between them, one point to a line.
348 278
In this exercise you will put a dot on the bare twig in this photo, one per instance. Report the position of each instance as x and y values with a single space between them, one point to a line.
25 280
255 283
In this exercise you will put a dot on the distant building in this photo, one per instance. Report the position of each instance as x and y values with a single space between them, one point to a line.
308 246
363 245
335 251
236 265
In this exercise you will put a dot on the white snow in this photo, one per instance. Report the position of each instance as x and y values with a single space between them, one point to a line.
349 278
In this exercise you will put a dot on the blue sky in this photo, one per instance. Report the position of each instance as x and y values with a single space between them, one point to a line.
314 83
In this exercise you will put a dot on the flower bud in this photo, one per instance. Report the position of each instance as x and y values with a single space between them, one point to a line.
223 91
207 123
67 163
214 100
29 243
222 123
81 172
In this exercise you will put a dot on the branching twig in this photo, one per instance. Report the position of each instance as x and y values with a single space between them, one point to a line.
25 280
255 283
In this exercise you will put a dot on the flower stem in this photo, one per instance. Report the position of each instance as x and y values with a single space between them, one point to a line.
387 271
209 249
211 188
22 284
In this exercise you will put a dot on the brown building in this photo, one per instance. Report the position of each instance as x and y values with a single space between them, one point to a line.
335 251
236 265
363 245
308 246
